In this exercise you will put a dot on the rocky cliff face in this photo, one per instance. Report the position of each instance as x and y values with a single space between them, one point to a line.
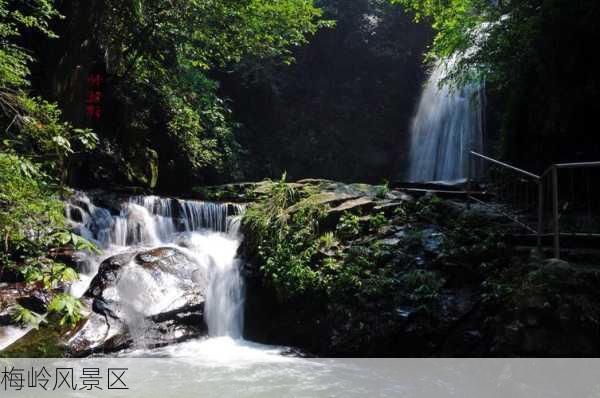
404 273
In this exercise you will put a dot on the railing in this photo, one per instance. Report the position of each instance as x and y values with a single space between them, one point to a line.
558 203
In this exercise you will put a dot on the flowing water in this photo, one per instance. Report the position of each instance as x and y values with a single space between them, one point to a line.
448 124
207 233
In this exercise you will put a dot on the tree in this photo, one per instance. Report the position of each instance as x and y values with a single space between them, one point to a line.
35 148
32 126
342 110
160 55
535 56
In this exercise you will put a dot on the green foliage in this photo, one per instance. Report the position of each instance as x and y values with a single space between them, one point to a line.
25 317
401 215
32 126
349 226
457 24
479 39
309 126
36 149
194 122
67 307
382 190
422 286
270 215
32 226
161 53
378 221
36 130
427 208
471 241
289 251
46 271
300 260
29 207
205 33
285 224
66 237
13 59
327 241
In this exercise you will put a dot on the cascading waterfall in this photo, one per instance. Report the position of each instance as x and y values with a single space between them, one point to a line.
448 124
208 233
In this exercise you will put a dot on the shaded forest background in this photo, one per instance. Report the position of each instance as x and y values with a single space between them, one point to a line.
338 105
340 110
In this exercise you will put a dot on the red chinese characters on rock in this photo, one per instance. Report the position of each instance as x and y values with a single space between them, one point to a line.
93 108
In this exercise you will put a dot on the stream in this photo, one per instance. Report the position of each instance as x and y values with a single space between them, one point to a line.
207 234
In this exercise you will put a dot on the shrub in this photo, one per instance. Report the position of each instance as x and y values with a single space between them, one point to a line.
349 226
67 307
422 286
378 221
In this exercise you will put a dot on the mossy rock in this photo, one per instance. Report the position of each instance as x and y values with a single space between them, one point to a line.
142 168
45 342
239 192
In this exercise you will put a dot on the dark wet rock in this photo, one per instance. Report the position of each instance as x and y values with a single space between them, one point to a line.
182 323
406 312
97 333
75 214
390 241
388 207
110 200
36 302
113 324
237 192
459 274
295 353
353 205
167 259
107 273
431 239
102 333
32 297
6 319
556 264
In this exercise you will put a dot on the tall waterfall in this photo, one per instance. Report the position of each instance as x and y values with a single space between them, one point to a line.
448 123
207 232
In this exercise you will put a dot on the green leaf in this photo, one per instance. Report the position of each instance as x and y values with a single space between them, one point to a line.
25 317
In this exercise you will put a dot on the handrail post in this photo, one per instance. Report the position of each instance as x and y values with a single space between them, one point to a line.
540 226
469 160
555 211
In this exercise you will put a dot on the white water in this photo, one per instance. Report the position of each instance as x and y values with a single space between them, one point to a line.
10 334
205 232
448 124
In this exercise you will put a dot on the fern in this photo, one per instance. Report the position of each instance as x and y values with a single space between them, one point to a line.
68 307
25 317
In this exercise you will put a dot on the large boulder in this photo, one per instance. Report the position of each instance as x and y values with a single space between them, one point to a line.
143 298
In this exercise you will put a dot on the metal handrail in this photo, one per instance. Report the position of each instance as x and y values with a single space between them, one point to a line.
579 164
540 181
506 165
